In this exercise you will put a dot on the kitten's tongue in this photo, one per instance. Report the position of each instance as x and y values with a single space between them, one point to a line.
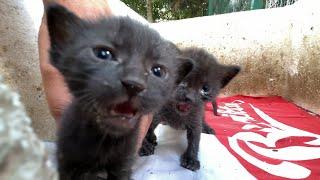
125 108
183 107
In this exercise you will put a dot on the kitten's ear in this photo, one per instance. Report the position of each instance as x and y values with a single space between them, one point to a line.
229 73
184 69
62 24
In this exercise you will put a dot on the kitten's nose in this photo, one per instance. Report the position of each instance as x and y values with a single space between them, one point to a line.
190 97
133 86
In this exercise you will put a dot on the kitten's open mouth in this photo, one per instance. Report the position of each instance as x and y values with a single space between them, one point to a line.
183 107
124 109
124 114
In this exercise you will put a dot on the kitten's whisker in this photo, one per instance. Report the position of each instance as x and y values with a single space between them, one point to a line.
88 106
84 97
81 80
80 94
87 91
74 79
85 100
98 80
81 73
101 142
84 72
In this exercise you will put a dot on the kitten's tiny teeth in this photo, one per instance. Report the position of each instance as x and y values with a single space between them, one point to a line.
113 113
98 120
105 83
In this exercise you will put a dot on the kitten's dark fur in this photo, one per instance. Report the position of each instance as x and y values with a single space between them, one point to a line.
215 107
117 70
186 109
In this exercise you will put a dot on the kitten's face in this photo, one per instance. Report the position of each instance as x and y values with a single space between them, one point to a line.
204 82
116 67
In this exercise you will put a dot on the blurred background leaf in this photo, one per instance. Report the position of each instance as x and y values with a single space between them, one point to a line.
163 10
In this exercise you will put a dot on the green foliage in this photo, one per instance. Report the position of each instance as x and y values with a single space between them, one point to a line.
170 9
140 6
163 10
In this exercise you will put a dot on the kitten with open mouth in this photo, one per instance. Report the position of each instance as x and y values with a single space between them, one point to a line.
185 110
117 71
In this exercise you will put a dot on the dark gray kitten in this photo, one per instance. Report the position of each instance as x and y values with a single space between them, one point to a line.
186 109
117 70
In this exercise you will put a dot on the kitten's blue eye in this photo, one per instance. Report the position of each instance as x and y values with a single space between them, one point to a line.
205 89
103 53
158 71
205 92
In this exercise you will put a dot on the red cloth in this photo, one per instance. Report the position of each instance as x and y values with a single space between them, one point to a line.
271 137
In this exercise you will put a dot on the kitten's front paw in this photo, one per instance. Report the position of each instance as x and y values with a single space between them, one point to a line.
215 112
153 140
119 175
189 163
208 130
102 175
146 149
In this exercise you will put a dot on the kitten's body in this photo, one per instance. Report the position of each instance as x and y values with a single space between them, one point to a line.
84 150
117 70
186 109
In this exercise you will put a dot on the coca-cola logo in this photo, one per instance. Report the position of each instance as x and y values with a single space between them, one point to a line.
266 144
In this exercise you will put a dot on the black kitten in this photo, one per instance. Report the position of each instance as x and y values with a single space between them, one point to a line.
186 109
117 70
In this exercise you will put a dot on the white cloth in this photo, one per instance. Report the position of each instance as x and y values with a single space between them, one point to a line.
216 161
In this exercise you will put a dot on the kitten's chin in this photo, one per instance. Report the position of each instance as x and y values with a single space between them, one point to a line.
118 125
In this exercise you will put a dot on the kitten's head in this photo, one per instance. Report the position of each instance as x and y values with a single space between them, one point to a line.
204 82
116 66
